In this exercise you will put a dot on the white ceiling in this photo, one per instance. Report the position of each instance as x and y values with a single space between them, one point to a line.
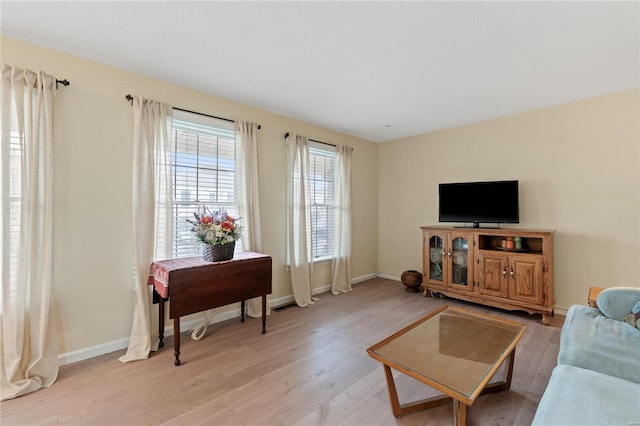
354 66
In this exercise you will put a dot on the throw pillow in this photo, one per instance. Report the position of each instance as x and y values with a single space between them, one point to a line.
633 317
616 302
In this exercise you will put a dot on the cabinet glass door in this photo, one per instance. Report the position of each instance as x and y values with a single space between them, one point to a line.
436 248
459 261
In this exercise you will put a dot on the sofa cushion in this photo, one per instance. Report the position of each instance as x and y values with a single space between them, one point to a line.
616 302
592 341
575 396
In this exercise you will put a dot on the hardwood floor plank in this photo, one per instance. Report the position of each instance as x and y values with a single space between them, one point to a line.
338 408
373 412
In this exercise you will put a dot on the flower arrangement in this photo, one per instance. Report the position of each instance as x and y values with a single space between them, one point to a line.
217 228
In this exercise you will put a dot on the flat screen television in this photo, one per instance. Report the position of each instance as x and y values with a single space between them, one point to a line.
479 202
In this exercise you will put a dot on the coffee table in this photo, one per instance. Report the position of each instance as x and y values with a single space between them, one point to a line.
453 350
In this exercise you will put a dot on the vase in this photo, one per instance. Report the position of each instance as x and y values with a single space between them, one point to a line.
412 280
219 252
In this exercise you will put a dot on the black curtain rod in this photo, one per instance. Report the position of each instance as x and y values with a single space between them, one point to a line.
130 99
64 82
286 135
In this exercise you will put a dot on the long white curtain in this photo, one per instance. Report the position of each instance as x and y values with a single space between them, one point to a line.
341 257
299 218
249 196
28 349
152 215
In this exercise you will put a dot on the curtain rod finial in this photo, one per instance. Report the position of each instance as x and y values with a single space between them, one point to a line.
64 82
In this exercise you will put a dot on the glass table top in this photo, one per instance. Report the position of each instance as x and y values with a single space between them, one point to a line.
456 349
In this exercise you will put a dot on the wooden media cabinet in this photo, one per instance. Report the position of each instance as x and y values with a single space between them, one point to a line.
504 268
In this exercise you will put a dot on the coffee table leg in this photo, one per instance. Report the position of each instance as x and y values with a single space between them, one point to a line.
506 383
459 413
512 357
393 393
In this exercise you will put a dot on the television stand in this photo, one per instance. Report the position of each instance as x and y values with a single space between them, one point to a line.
472 264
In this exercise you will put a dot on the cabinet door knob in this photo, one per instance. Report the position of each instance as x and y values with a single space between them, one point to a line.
504 272
511 273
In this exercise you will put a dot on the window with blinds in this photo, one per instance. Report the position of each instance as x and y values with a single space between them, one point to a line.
322 198
204 168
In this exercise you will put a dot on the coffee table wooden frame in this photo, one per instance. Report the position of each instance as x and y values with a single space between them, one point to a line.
460 401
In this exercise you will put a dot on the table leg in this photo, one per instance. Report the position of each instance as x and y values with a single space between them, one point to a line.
401 409
176 340
512 358
393 393
242 307
459 413
264 314
506 383
161 321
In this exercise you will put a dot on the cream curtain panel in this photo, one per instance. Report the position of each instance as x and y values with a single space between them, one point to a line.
299 219
28 350
341 258
152 215
249 196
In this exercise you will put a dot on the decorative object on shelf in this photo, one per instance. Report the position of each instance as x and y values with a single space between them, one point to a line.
518 241
510 243
218 231
412 280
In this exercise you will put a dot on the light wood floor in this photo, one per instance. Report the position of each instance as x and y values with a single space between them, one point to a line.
310 368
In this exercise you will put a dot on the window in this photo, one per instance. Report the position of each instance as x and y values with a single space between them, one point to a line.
322 190
203 163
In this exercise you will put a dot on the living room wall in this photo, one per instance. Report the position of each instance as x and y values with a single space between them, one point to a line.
578 165
93 133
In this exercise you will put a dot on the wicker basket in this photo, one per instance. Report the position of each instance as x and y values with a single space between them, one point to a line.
218 253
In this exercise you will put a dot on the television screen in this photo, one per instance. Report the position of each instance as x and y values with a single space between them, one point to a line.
479 202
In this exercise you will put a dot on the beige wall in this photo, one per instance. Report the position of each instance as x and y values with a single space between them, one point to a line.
93 285
578 167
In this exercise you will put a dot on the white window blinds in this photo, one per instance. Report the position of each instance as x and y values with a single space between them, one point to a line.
204 173
322 166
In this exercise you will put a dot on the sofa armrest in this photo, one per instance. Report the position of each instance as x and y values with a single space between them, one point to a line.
616 302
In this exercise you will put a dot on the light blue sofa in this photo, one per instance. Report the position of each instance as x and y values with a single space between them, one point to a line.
597 379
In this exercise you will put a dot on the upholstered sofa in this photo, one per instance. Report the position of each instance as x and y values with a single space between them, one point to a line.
597 379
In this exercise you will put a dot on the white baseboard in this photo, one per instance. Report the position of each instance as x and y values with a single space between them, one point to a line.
93 351
363 278
560 311
287 300
119 344
388 276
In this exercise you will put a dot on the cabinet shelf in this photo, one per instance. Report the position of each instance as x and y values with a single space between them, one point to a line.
514 250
